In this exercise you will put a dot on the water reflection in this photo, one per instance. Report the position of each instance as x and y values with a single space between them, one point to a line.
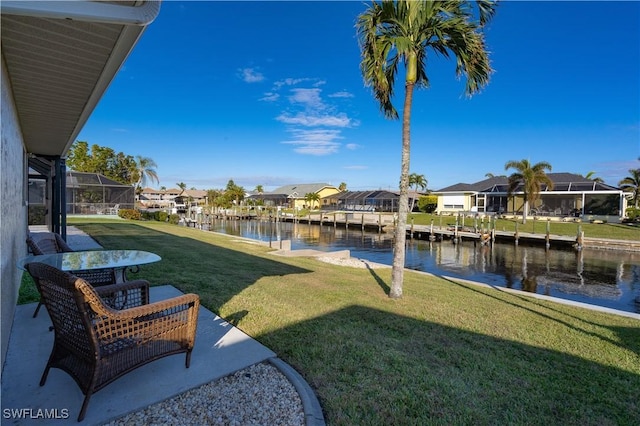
605 278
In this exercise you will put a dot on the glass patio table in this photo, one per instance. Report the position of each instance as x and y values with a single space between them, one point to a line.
118 260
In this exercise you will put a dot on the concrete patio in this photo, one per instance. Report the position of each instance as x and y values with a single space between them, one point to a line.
220 350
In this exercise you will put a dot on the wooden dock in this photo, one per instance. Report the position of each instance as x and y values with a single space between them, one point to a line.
378 222
384 223
235 215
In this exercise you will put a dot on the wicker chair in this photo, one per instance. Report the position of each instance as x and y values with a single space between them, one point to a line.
96 344
52 243
48 243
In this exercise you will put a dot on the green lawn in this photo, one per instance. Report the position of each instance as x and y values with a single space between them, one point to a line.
447 353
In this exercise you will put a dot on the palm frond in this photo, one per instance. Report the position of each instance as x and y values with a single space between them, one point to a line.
487 9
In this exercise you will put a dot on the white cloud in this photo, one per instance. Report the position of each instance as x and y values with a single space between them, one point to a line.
270 97
315 124
310 98
317 148
317 134
306 96
288 82
352 146
355 167
315 142
342 94
250 75
311 120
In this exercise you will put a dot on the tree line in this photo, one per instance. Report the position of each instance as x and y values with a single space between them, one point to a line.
120 167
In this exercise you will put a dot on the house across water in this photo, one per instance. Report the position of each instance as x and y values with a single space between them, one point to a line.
572 196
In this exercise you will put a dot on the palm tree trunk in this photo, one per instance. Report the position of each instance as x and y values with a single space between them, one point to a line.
397 271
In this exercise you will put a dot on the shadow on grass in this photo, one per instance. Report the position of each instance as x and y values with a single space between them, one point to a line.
625 226
377 368
628 338
383 285
189 264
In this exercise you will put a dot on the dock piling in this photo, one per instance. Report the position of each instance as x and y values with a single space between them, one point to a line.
579 238
547 237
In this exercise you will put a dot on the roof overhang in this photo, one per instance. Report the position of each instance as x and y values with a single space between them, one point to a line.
60 57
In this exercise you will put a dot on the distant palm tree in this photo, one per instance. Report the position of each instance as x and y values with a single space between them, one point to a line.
183 187
631 184
491 175
342 187
591 175
215 197
530 179
260 190
312 198
399 34
146 169
234 193
418 182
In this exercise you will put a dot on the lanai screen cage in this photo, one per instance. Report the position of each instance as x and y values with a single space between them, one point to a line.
93 193
575 198
378 201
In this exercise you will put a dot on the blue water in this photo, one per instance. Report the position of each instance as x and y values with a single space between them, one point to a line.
600 277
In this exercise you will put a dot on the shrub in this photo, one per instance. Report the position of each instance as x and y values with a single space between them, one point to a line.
37 215
174 219
159 216
130 214
632 215
428 203
147 215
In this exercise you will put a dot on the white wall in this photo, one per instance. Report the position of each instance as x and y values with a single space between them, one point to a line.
453 202
13 211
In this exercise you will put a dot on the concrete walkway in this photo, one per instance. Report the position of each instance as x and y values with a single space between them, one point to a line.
220 350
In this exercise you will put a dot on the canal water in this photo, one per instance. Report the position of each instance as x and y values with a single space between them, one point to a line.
600 277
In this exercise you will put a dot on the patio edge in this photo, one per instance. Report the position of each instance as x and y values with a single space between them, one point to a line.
310 404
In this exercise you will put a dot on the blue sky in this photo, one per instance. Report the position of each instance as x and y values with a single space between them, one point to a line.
270 93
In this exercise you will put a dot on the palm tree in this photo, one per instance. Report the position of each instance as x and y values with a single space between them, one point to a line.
183 187
591 175
530 179
491 175
260 190
312 198
146 170
342 187
418 182
631 184
401 33
234 192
